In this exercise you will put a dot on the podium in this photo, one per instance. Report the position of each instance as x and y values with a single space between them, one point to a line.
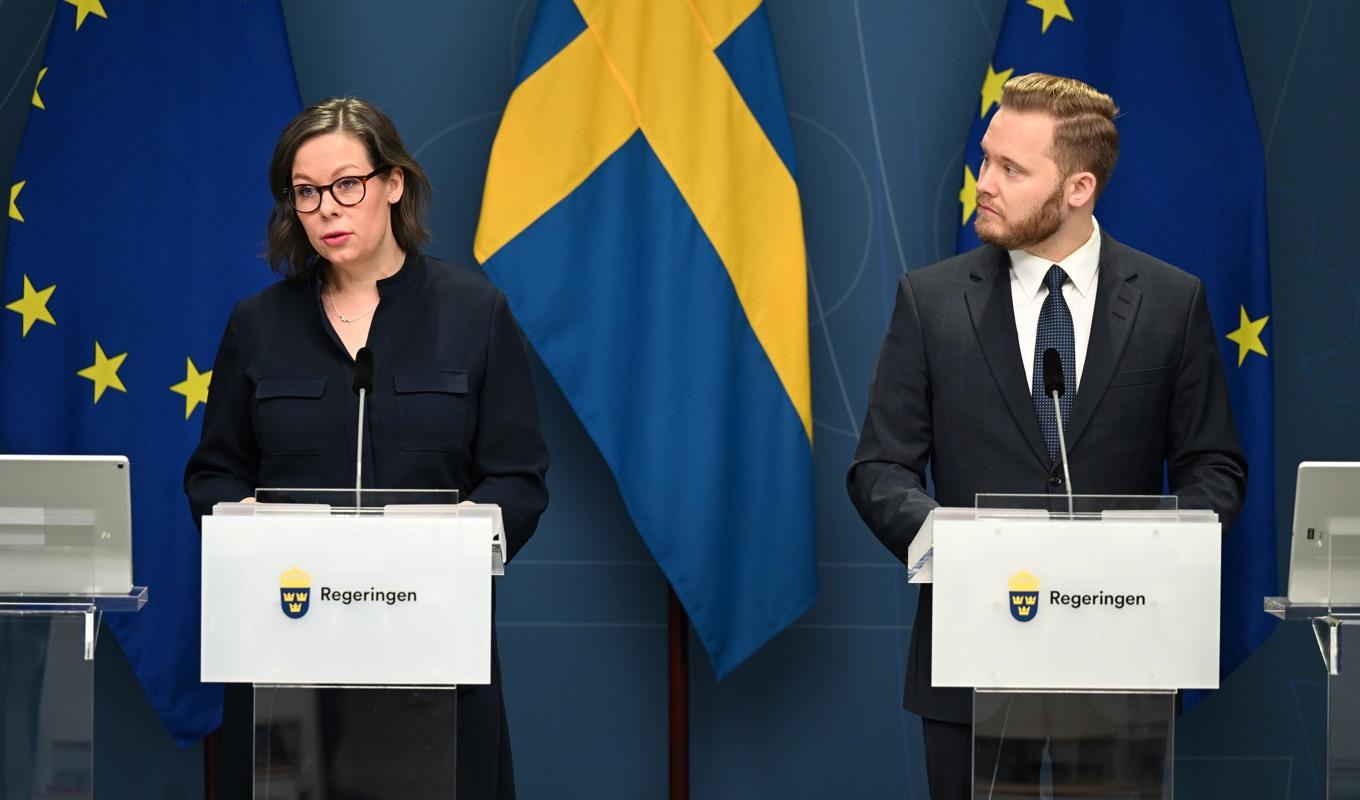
1075 621
65 560
355 618
1324 591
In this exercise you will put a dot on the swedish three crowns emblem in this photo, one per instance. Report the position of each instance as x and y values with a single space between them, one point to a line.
295 586
1024 596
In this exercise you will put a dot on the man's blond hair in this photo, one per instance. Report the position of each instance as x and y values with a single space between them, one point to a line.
1084 134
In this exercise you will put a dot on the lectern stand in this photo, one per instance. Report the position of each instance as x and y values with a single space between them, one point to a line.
1075 625
1324 591
65 560
1337 630
355 622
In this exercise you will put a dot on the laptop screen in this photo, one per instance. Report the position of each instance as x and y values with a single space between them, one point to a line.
1324 559
65 525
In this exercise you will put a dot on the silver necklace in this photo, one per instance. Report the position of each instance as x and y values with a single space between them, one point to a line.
330 294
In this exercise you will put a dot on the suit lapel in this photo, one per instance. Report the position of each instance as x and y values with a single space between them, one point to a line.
1117 302
993 316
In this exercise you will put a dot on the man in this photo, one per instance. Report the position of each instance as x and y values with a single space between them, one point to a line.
959 382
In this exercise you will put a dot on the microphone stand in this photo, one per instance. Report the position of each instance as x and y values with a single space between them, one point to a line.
1062 446
359 456
363 381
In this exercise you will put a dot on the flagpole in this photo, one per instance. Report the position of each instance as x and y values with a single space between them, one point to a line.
677 629
212 764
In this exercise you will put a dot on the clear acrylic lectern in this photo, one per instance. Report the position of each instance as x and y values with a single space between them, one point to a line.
65 560
364 615
1075 621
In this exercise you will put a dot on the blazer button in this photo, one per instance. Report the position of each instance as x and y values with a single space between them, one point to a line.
1055 480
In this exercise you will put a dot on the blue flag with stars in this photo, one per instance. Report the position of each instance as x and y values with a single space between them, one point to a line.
136 218
1189 189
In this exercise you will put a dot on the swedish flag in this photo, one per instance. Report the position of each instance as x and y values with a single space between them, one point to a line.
1189 189
641 215
135 220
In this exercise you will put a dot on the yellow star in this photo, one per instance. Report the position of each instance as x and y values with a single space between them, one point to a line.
85 8
194 387
104 372
968 194
37 99
1248 336
991 87
14 201
1051 9
33 305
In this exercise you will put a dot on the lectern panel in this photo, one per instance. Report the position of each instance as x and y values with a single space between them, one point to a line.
336 744
1073 744
46 708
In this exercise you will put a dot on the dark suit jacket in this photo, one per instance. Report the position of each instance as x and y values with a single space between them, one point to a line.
950 393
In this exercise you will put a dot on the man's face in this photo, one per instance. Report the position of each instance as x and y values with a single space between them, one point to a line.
1021 198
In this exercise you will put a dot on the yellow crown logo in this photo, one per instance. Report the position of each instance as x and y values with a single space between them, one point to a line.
295 579
1024 596
294 586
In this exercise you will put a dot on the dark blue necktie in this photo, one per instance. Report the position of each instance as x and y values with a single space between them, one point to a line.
1055 330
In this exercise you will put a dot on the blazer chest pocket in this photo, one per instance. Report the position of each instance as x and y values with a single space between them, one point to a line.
290 420
432 407
1141 377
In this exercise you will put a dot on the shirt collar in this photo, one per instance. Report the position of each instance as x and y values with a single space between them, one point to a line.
1080 267
412 270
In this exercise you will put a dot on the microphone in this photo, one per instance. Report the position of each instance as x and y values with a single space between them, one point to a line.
362 385
1053 374
363 371
1055 385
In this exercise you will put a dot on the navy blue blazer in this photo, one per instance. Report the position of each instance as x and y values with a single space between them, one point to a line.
452 406
950 393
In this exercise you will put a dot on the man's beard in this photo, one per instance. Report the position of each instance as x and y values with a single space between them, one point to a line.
1028 232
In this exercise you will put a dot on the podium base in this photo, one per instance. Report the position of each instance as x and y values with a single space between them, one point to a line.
1073 744
340 743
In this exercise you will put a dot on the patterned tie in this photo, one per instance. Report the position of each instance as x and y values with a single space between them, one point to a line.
1055 330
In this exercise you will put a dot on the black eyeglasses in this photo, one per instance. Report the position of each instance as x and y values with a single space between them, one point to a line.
347 191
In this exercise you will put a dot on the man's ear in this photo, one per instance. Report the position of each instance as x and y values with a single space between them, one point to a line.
1081 189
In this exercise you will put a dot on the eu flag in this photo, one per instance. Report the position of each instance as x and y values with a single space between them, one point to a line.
641 215
1189 189
135 220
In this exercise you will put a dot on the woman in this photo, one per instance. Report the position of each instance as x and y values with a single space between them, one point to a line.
452 405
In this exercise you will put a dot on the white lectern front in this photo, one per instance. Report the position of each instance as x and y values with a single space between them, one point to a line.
1075 625
355 622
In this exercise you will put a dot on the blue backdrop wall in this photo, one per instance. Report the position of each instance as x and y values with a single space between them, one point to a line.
881 94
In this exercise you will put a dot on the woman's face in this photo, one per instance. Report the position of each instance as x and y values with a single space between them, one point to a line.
347 235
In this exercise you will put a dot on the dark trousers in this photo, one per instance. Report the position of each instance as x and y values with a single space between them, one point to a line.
949 759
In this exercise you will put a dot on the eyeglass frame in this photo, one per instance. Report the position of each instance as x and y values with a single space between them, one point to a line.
321 190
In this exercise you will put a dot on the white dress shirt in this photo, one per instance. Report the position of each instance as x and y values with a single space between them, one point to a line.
1028 293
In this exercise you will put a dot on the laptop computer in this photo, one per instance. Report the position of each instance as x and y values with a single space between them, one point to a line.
1324 553
65 525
